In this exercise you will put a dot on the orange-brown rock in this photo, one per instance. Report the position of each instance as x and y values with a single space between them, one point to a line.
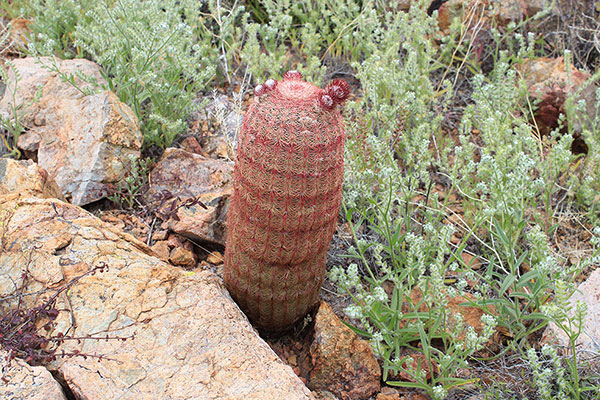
188 339
388 393
342 362
477 14
550 83
26 178
24 382
215 258
18 36
182 257
161 249
191 145
86 142
471 315
186 175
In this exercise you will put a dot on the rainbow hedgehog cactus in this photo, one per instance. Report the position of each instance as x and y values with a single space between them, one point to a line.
287 195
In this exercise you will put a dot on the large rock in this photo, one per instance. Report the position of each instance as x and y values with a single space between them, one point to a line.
85 142
342 362
190 340
550 83
519 10
588 293
26 178
187 175
22 381
476 14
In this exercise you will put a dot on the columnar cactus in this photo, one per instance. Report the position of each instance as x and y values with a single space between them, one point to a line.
287 194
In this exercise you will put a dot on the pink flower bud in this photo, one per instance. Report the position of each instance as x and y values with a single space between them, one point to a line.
270 84
292 75
259 90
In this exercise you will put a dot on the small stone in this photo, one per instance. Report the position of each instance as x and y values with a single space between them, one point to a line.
188 245
161 248
160 235
29 142
26 177
454 239
191 176
388 390
215 258
191 145
113 220
138 234
174 241
472 262
323 395
388 393
382 396
182 257
292 360
39 121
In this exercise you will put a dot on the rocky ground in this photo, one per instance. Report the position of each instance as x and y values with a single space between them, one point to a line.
154 320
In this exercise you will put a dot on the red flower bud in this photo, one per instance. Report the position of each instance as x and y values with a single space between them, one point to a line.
338 89
326 101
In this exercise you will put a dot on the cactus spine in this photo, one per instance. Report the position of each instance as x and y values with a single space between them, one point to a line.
287 194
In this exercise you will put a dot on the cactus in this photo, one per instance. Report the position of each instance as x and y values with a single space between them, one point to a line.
287 194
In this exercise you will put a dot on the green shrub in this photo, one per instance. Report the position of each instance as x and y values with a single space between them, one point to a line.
299 35
505 177
150 61
54 23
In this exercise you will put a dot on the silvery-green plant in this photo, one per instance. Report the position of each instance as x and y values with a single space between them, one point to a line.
53 25
399 118
344 29
506 178
218 23
586 118
265 51
398 259
150 60
569 317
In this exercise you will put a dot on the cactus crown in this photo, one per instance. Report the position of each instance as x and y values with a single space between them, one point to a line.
294 89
